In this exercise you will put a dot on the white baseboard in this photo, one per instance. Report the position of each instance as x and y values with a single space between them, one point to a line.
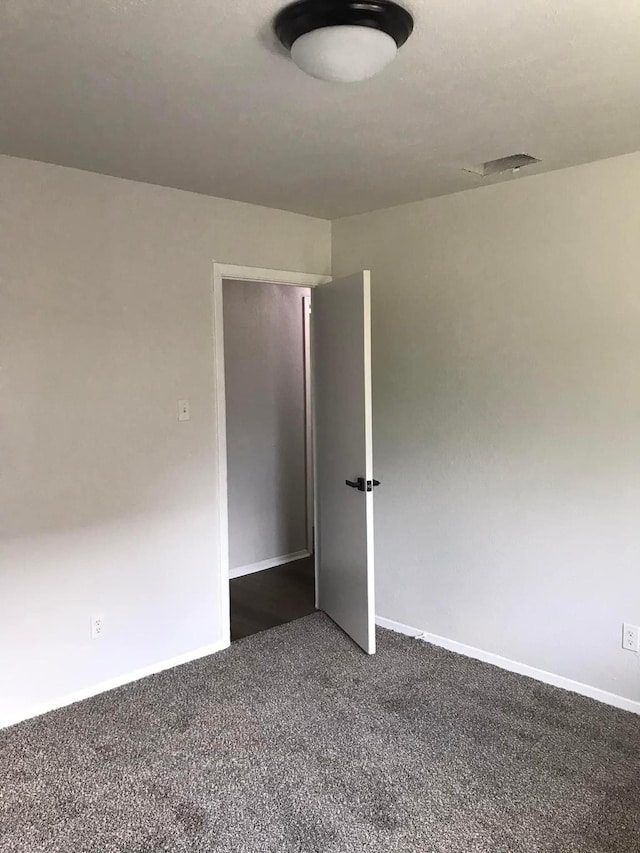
110 684
399 628
513 666
271 563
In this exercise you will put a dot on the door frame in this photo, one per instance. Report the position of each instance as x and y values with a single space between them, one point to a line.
260 276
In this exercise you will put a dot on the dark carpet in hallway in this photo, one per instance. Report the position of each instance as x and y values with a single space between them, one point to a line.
293 740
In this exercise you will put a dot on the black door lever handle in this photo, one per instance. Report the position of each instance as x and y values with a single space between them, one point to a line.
363 485
357 484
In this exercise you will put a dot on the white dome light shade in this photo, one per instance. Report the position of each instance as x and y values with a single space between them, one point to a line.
343 54
342 40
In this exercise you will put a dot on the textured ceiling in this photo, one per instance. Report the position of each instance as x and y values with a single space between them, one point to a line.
196 94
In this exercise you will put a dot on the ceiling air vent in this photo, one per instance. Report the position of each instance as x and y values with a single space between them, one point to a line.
502 164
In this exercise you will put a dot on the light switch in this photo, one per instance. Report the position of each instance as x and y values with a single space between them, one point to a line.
184 410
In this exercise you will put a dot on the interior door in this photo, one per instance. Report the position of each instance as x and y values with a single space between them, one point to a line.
341 320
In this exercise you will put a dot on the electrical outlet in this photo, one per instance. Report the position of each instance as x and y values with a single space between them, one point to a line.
97 626
631 638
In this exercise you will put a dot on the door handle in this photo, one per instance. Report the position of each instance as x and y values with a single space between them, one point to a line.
363 485
358 484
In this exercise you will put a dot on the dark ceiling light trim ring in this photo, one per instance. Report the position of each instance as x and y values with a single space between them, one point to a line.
306 15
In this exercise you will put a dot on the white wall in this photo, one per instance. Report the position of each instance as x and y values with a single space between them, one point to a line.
506 353
264 362
107 501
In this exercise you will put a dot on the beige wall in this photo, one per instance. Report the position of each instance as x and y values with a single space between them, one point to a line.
107 501
506 353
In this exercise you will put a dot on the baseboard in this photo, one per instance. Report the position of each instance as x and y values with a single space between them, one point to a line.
513 666
271 563
110 684
399 628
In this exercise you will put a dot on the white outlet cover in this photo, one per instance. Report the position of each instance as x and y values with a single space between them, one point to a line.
184 410
631 638
97 625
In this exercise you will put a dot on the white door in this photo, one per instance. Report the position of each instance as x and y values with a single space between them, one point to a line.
341 322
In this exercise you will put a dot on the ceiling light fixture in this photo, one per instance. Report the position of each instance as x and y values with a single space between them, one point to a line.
343 40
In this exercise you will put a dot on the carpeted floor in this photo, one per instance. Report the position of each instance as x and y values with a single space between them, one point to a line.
293 740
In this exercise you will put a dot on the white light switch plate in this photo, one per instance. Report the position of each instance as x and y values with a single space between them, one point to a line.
184 410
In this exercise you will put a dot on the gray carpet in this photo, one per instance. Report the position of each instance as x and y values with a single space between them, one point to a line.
293 740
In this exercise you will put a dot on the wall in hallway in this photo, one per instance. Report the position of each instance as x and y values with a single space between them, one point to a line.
265 399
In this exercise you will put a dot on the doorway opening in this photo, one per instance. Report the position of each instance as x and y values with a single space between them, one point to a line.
265 437
269 454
